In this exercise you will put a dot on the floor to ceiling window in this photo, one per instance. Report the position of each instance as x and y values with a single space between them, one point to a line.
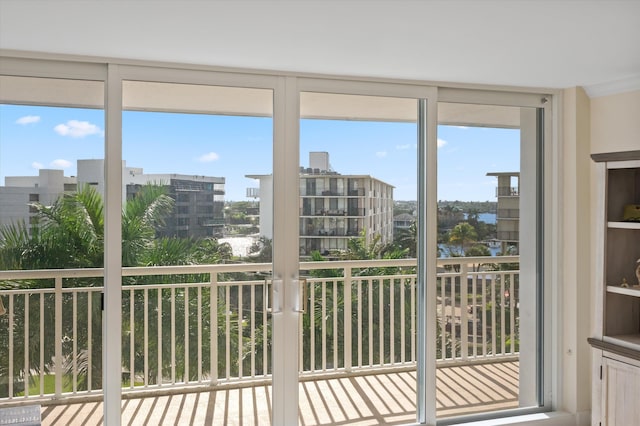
191 157
489 293
358 206
286 250
50 219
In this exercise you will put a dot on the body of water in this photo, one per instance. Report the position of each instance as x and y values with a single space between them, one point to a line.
486 217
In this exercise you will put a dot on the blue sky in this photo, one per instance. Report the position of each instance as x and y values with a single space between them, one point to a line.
50 137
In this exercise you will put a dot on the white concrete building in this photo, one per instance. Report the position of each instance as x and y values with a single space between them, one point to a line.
199 199
508 215
333 207
19 191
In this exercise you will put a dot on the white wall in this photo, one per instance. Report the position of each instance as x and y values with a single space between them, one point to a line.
615 122
602 124
575 297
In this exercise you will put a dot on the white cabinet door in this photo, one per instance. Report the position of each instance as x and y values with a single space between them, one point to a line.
621 386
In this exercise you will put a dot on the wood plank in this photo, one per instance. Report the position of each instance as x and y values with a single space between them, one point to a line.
354 400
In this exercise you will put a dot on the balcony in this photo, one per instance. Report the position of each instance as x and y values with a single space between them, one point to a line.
507 191
195 346
508 236
508 214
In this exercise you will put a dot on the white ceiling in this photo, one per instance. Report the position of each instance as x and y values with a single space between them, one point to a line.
551 44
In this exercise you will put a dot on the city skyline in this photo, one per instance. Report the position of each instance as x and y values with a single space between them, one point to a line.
33 137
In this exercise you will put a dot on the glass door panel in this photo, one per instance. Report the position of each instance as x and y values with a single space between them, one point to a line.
50 218
357 249
195 315
487 241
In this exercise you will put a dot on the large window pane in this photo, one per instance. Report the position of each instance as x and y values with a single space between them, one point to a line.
50 218
486 306
358 191
197 163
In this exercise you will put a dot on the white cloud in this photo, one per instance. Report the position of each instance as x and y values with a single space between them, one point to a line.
77 129
441 143
462 127
37 165
403 147
28 119
208 157
381 154
60 164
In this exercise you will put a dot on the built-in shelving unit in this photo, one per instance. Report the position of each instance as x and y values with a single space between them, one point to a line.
634 292
623 225
616 343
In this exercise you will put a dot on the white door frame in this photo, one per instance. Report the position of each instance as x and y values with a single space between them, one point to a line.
426 117
113 180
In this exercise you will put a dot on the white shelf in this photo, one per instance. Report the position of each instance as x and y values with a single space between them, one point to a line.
623 225
635 292
631 341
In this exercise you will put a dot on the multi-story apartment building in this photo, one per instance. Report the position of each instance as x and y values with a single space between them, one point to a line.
199 200
333 207
20 191
508 214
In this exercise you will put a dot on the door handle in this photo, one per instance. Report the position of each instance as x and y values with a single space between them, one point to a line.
272 295
302 302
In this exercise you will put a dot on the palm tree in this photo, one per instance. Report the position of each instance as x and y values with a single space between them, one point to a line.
67 234
70 234
473 216
142 216
462 234
408 239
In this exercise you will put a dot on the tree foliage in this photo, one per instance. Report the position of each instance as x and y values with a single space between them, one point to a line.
462 234
69 234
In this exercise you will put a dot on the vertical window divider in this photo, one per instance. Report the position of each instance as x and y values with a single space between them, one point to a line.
112 315
426 261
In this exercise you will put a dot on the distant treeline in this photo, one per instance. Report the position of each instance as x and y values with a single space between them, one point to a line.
466 206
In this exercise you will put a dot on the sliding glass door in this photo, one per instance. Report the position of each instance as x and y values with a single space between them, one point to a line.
51 245
360 298
490 238
247 248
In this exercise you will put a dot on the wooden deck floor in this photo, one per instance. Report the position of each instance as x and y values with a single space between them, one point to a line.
356 400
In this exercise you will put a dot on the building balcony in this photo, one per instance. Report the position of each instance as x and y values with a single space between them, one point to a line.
215 222
193 347
508 214
508 236
333 193
507 191
324 212
322 232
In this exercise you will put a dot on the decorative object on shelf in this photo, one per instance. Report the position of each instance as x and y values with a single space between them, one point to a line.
624 284
637 273
631 213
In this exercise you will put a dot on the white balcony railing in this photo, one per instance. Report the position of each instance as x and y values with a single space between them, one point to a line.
207 325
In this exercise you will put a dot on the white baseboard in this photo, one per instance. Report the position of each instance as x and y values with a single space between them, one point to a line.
556 418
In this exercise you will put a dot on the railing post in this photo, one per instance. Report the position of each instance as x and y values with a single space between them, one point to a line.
11 348
213 332
464 319
58 336
347 319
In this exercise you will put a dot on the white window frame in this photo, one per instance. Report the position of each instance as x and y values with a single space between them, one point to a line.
286 88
